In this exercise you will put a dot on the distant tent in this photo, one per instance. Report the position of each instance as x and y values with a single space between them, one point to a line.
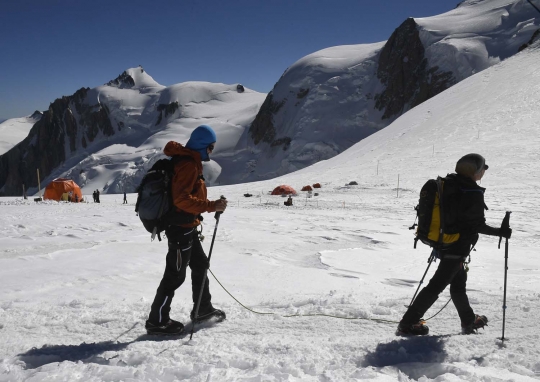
284 190
239 88
57 187
317 185
353 183
307 188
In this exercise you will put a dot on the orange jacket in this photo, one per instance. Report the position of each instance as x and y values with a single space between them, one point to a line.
188 187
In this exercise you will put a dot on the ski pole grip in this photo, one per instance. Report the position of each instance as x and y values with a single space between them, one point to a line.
505 224
216 216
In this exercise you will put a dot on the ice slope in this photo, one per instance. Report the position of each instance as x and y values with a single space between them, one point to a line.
477 34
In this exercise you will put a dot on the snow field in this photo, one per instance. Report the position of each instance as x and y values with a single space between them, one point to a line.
76 292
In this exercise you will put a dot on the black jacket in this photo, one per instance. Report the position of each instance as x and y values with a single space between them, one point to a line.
470 219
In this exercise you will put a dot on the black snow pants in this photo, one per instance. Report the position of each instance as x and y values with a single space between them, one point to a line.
450 271
184 249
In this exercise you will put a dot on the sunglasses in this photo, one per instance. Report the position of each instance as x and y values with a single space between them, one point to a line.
211 147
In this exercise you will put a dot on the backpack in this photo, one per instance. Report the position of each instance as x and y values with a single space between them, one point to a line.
437 222
155 205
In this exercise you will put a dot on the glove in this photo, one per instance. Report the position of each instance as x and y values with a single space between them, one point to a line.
505 232
221 205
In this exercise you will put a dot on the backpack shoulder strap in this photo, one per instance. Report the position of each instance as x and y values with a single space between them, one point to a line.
440 189
180 158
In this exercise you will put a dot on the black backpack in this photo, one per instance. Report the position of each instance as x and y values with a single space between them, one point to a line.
154 205
437 222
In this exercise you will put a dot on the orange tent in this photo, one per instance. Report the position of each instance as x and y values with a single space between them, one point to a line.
57 187
307 188
317 185
284 190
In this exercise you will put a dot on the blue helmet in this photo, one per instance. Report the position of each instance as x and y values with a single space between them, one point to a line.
202 137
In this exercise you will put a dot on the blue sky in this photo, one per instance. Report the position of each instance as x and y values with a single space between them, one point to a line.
51 48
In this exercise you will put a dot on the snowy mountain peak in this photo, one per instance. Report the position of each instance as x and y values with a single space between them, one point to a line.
121 126
134 78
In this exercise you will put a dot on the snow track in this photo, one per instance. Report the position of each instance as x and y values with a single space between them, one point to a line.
73 302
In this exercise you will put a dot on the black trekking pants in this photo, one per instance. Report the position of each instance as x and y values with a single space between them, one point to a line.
449 272
184 249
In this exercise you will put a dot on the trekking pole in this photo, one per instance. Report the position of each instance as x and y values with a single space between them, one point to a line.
430 260
505 224
196 315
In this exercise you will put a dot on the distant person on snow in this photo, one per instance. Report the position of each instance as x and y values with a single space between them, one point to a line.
451 270
97 196
189 196
125 198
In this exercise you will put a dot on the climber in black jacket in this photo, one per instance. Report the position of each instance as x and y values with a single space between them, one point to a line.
470 222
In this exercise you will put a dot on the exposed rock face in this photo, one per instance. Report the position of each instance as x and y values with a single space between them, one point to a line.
404 71
535 37
169 109
123 81
36 115
69 124
262 129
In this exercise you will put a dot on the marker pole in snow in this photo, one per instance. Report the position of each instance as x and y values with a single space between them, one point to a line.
505 224
39 188
430 260
196 314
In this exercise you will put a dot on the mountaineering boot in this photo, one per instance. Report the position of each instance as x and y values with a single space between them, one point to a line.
206 313
479 322
418 329
171 328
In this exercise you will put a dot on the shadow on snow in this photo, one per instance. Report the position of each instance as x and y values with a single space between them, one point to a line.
87 353
91 352
425 349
